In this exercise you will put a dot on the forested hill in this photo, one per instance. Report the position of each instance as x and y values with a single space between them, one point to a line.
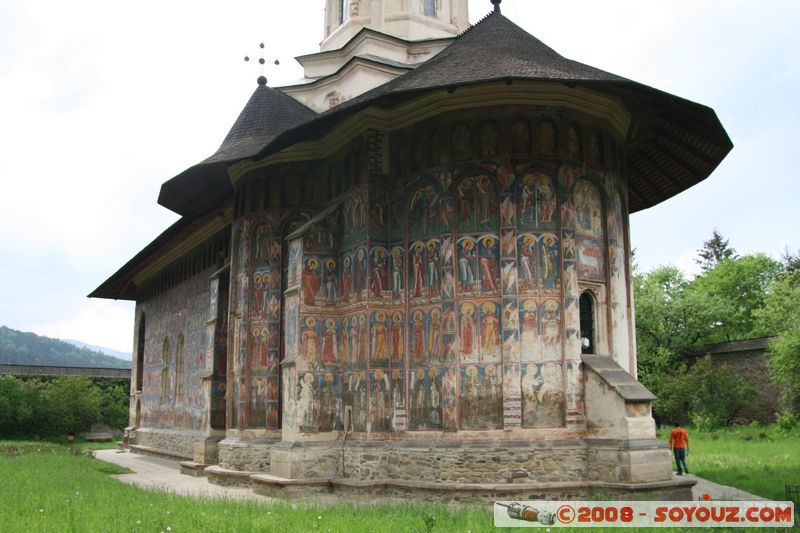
21 348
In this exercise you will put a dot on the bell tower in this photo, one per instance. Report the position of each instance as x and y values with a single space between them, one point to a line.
411 20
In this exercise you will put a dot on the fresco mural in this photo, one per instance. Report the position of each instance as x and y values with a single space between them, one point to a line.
444 299
542 395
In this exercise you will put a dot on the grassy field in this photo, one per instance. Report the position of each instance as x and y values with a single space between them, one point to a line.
740 458
47 487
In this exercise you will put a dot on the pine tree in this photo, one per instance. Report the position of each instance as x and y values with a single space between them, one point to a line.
714 250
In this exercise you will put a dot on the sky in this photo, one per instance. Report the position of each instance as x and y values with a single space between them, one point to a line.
101 102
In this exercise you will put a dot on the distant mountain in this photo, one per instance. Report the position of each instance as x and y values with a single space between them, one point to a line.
21 348
102 349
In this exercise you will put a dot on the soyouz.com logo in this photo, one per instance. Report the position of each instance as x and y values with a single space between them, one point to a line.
643 514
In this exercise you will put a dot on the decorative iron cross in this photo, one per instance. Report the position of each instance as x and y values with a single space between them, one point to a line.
262 61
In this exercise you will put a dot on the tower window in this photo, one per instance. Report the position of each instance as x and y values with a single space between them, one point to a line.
586 303
429 8
343 14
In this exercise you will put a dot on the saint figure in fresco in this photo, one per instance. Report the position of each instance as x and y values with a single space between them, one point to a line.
433 270
329 344
397 389
418 396
485 200
380 401
546 198
379 274
528 326
418 337
527 211
347 279
379 344
328 403
547 138
548 268
417 267
435 333
467 330
526 253
488 267
551 328
311 282
465 265
434 413
490 331
353 338
362 339
397 273
330 282
361 271
472 396
344 342
465 200
309 338
397 337
510 315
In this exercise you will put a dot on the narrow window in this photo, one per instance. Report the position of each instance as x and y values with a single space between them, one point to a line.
343 14
179 369
587 322
140 356
430 8
165 371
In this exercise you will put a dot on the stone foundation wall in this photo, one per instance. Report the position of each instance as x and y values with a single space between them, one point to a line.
246 456
171 442
646 460
467 463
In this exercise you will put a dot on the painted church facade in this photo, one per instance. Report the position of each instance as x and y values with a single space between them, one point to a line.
428 282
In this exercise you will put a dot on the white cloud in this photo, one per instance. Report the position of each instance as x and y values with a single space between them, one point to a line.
99 322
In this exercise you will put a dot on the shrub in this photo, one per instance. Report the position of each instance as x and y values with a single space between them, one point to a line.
44 407
708 395
787 421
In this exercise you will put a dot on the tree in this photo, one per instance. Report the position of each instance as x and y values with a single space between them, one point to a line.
781 314
791 263
714 250
731 293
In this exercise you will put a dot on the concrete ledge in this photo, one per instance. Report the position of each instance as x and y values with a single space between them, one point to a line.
223 476
467 492
190 468
158 452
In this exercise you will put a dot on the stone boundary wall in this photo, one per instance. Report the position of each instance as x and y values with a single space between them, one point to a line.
748 360
37 370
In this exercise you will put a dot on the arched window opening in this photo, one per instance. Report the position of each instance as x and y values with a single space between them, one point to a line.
140 355
430 8
587 322
165 371
179 375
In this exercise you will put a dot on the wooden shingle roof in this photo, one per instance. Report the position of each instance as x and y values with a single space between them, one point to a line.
268 113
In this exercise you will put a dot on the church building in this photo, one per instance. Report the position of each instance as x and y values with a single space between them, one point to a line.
409 273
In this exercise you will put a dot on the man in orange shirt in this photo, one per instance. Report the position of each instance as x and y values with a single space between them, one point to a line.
679 441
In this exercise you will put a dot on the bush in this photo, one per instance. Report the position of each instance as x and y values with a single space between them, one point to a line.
787 421
708 395
44 407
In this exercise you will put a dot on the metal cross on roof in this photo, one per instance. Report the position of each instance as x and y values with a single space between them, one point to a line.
262 80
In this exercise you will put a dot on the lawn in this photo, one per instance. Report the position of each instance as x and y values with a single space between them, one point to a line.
740 458
46 487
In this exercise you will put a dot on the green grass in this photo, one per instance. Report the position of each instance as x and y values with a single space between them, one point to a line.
738 457
45 487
